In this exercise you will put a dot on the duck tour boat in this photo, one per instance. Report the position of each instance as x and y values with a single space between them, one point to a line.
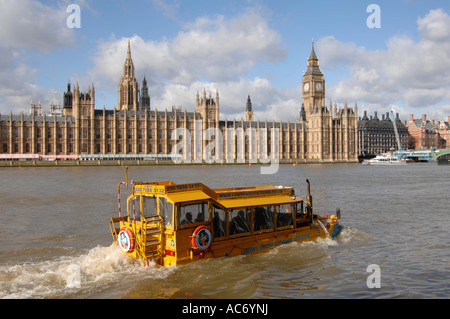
176 224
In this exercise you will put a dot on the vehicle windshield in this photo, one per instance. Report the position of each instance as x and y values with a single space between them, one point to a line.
147 206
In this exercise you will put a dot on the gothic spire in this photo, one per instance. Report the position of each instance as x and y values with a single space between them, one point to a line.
129 50
128 95
313 63
313 55
249 104
303 113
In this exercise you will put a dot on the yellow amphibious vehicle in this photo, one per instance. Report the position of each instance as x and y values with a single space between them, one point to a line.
176 224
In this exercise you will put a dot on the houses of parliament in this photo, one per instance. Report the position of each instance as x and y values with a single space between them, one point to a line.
134 129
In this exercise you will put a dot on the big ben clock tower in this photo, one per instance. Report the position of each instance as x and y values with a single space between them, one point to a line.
313 84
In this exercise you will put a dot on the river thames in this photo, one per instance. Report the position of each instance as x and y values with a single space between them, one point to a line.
54 225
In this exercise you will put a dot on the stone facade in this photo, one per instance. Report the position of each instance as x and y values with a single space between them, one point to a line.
378 136
319 134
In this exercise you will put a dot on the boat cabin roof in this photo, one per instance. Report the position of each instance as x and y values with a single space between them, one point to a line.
228 198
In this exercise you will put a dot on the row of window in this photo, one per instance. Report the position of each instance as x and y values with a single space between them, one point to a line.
224 223
70 133
49 148
39 133
241 221
39 148
84 133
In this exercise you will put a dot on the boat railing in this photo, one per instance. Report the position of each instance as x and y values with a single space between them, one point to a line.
114 229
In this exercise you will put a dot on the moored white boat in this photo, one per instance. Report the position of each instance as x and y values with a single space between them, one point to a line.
385 160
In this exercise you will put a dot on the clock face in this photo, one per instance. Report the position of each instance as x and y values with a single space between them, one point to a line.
319 86
306 87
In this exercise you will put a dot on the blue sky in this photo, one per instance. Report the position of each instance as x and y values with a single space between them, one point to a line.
237 47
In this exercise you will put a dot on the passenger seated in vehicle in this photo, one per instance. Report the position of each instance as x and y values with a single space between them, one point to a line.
219 226
187 220
200 218
239 224
263 219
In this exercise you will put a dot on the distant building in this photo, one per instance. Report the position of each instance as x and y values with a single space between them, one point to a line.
248 110
426 133
55 109
35 109
443 128
320 134
377 136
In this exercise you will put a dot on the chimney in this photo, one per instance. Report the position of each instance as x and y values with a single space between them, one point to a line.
424 117
448 120
411 117
432 121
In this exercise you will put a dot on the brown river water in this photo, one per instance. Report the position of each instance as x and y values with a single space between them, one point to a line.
55 240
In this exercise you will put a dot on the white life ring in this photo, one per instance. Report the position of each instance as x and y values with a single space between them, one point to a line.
126 240
201 238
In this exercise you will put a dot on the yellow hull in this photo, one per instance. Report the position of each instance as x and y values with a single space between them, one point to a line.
249 245
244 245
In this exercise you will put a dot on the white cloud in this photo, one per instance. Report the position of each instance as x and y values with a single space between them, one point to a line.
27 26
439 114
268 102
17 86
216 49
168 8
415 74
209 52
435 26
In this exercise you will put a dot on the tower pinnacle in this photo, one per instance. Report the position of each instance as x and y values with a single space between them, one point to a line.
313 55
129 50
128 91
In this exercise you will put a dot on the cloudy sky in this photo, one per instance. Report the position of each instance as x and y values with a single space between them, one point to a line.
256 47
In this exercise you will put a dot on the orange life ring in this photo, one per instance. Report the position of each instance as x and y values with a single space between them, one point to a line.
126 239
201 238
